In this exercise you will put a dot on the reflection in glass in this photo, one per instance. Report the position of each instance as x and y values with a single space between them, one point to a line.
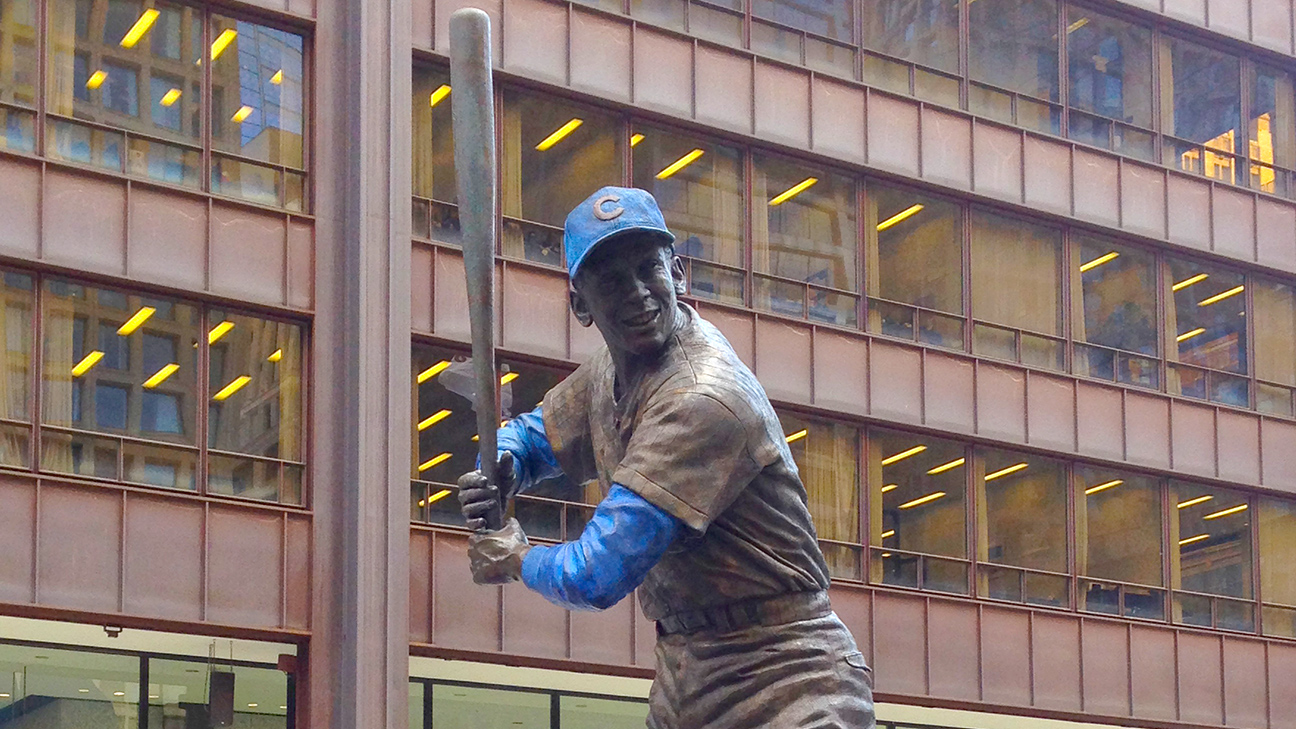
254 383
1275 344
178 695
1110 74
1207 321
831 18
1201 104
1014 46
1016 273
257 83
582 712
18 62
16 296
827 456
1272 129
1277 522
1118 537
1116 311
922 31
1213 534
433 165
469 706
1022 521
40 685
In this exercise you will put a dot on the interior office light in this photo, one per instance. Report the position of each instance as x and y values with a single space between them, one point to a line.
170 97
1226 512
1100 260
1190 334
1005 471
898 217
793 191
88 361
277 79
425 465
234 386
160 376
798 435
903 455
679 164
275 356
437 96
635 139
243 113
433 419
1194 502
890 487
141 27
922 500
507 378
1190 540
942 468
1189 281
219 331
135 321
96 79
1221 296
222 42
438 496
433 371
888 534
559 134
1077 25
1103 486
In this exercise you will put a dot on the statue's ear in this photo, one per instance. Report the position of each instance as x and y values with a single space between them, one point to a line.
580 308
677 273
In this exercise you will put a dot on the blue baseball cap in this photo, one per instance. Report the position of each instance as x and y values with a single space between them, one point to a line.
610 212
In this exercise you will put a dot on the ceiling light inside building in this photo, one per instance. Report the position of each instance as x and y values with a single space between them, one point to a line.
277 78
437 96
1103 486
1100 260
793 191
797 435
219 331
903 214
942 468
425 465
88 361
96 79
1005 471
135 321
242 114
234 386
432 371
140 27
679 164
1221 296
1189 334
433 419
1190 540
1194 502
222 42
903 455
922 500
160 376
559 134
170 97
1226 512
635 139
1189 281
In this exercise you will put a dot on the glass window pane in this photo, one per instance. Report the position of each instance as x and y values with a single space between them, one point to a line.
581 712
1277 523
255 386
922 31
804 224
829 18
18 52
1024 513
434 175
1110 67
481 708
416 706
179 694
16 331
1016 273
1275 332
666 13
1213 534
1118 526
1201 103
258 110
1272 126
918 486
1014 45
918 258
827 454
699 186
1118 296
1208 319
118 362
41 685
554 156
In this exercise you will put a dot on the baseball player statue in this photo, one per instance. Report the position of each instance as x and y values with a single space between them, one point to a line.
703 509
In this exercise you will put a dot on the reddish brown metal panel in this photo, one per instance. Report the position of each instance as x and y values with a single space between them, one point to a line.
450 297
1189 198
604 637
1271 25
1096 185
1098 420
948 392
899 639
1244 684
737 327
164 554
840 372
1278 455
85 222
247 254
1001 402
1142 193
783 354
723 89
20 184
997 161
445 8
168 239
464 615
854 606
420 587
1201 685
946 148
1055 662
244 566
534 317
895 382
1276 234
421 288
600 55
1048 175
1005 656
1239 446
534 35
585 341
533 626
663 72
1104 658
79 553
1193 438
1147 430
1282 686
837 119
1233 218
301 264
645 639
1230 17
1153 690
421 23
953 660
783 104
892 133
1050 411
297 580
17 538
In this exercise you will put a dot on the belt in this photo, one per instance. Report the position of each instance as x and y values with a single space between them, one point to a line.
738 615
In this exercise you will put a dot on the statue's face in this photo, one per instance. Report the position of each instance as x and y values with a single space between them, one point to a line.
628 289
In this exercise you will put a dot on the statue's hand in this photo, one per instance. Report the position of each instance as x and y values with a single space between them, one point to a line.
479 500
496 557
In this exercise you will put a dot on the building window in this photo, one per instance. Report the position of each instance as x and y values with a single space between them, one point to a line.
820 34
1272 121
914 265
826 454
1022 528
1115 316
804 245
554 155
1200 110
1206 320
1277 523
16 292
1210 570
18 74
436 215
436 703
1013 54
917 511
1109 66
1275 346
922 32
1119 543
1016 290
699 186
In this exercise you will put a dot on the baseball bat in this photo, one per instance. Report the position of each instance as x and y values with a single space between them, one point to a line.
473 115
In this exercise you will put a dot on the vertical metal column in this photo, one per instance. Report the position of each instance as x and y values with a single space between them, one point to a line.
358 670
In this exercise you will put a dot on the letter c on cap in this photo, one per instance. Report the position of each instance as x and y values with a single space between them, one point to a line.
602 214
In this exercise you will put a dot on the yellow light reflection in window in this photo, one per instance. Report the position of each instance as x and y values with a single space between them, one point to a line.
793 191
437 96
96 79
236 384
222 42
88 361
559 134
160 376
140 27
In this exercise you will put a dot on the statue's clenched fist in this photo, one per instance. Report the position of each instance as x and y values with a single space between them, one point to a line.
479 500
496 557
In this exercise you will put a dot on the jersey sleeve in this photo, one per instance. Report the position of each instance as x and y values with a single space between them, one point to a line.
566 411
690 455
533 458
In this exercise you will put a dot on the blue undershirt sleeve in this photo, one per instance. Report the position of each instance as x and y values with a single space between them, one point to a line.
625 538
533 458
